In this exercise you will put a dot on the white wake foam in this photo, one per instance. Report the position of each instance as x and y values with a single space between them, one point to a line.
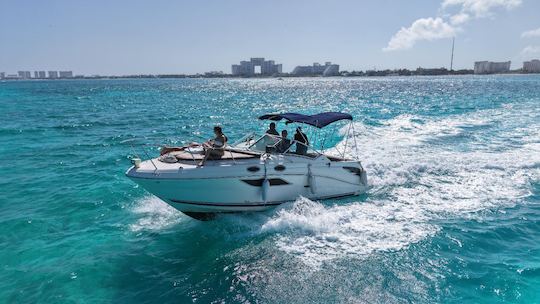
317 233
154 214
417 179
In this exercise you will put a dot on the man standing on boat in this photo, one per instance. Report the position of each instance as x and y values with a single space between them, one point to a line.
302 141
272 129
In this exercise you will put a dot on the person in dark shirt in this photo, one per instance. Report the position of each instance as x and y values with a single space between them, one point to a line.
285 143
302 141
272 130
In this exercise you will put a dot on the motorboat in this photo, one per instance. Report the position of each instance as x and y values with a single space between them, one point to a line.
252 174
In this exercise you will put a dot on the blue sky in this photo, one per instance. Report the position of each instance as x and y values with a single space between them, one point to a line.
130 37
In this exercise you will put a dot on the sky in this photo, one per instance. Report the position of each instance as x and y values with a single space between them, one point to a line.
158 37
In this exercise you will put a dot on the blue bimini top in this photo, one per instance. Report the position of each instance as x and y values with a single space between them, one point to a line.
320 120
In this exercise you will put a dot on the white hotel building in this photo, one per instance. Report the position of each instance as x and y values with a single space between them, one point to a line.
532 66
489 67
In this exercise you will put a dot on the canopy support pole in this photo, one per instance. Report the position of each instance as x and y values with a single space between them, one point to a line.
346 141
357 156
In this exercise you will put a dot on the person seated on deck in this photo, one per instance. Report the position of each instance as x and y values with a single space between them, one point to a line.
302 141
213 149
284 144
272 129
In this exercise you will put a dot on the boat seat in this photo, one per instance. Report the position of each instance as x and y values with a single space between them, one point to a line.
184 155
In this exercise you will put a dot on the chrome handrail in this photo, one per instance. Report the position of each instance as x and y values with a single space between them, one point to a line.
244 138
151 160
296 142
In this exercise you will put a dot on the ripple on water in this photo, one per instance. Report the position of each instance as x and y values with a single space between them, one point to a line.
453 166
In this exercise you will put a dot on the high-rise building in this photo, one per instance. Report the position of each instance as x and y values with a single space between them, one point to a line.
331 70
42 74
36 74
65 74
328 69
489 67
247 68
53 74
2 75
532 66
24 74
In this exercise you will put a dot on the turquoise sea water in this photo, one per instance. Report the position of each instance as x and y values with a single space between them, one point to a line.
452 215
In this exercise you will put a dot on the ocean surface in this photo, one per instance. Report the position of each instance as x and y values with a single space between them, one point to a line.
452 214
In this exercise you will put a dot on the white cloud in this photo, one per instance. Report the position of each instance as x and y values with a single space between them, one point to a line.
480 8
421 29
447 25
531 49
460 18
531 33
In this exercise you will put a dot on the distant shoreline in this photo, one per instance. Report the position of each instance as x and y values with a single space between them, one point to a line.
256 77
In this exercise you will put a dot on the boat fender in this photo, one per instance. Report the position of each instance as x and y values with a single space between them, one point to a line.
363 177
265 190
265 184
311 180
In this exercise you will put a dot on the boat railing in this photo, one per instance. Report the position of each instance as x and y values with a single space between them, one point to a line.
246 138
142 146
188 149
347 136
299 143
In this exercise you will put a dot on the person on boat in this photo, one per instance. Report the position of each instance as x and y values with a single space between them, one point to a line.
302 141
272 129
214 148
284 144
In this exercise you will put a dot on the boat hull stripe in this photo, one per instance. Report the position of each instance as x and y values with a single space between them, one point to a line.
228 205
254 205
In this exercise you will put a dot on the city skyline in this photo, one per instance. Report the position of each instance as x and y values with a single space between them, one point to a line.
124 38
259 67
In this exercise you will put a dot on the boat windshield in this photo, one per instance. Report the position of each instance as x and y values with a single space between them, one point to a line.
265 141
274 144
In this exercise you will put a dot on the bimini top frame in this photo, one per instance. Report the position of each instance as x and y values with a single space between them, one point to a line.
320 121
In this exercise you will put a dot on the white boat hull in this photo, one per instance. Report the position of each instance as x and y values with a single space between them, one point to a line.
232 187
